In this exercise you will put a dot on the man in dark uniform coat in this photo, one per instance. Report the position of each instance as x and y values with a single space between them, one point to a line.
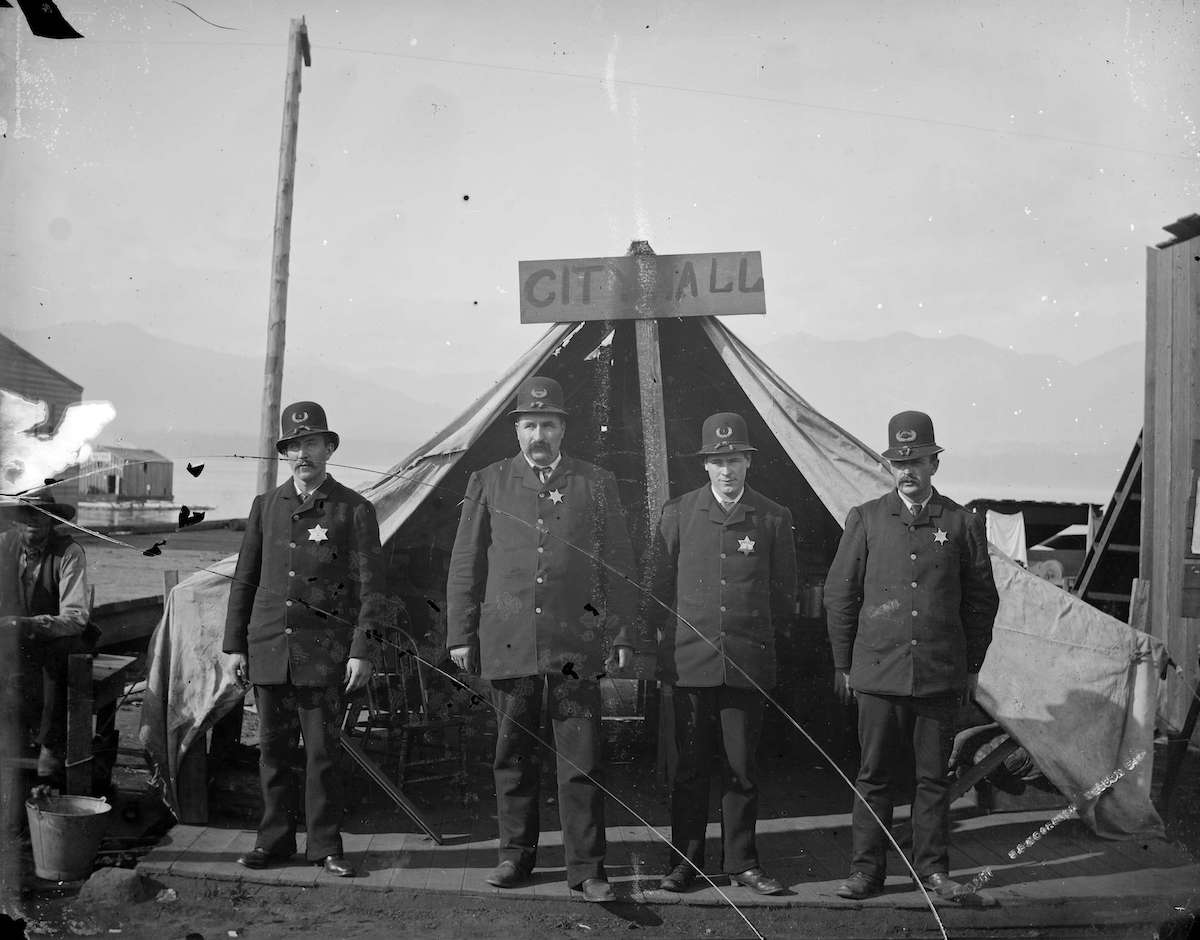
910 601
45 604
305 610
726 563
530 608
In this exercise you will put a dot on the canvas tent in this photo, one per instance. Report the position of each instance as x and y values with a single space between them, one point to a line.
804 461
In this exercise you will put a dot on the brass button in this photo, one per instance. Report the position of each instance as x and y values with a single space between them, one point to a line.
537 610
287 630
540 549
288 604
914 642
914 584
722 608
291 574
913 556
723 581
722 554
914 614
294 517
541 522
540 580
291 544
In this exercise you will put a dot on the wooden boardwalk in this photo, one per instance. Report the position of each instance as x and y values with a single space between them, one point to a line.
811 854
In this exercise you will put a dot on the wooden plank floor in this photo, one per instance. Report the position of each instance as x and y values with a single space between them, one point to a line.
811 853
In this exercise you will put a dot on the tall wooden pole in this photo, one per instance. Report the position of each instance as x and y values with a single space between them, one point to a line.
659 704
298 49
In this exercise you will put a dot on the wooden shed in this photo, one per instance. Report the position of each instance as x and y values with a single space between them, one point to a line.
24 373
127 473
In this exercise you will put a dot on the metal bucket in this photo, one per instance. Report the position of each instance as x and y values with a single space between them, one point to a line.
66 833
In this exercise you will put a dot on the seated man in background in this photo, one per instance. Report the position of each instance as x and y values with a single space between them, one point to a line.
44 600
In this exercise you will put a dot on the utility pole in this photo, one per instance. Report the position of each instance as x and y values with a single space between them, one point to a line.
298 49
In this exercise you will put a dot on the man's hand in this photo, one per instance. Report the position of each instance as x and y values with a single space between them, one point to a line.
842 687
466 658
358 672
235 667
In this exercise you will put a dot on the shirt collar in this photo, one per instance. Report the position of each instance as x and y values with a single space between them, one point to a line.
910 504
311 493
725 499
553 466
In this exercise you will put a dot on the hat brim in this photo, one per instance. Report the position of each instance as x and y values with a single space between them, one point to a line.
282 443
713 450
911 453
64 512
548 410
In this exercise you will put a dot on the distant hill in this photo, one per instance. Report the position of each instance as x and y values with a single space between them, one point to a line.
1013 423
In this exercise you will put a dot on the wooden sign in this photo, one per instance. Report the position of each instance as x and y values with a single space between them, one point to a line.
642 287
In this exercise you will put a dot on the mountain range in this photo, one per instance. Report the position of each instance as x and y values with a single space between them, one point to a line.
1014 424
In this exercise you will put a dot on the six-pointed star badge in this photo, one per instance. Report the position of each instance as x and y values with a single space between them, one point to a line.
941 536
556 496
317 534
746 545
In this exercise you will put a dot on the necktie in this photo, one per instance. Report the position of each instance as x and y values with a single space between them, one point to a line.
727 505
543 473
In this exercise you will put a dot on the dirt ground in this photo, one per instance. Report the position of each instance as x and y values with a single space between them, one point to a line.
189 908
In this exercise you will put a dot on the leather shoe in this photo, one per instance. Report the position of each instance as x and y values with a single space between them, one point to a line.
508 874
679 879
337 866
259 858
859 887
597 890
946 888
757 881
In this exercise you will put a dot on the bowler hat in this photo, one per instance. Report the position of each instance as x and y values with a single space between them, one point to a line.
35 505
300 420
910 435
724 433
539 395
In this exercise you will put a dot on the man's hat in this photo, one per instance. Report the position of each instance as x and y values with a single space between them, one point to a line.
910 435
724 433
301 419
539 395
29 506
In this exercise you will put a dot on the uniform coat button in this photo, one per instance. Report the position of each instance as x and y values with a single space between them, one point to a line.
914 613
291 574
288 603
722 554
291 544
537 610
540 549
540 580
722 609
287 630
914 642
914 584
294 518
913 556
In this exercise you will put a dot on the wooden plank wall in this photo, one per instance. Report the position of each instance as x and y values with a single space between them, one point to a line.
1171 465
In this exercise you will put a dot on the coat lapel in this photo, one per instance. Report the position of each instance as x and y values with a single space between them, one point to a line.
520 472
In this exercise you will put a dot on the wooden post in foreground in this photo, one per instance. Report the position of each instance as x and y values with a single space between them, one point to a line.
277 316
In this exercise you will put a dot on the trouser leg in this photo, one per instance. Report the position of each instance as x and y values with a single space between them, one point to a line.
319 711
695 732
879 735
574 709
932 742
517 766
741 713
278 735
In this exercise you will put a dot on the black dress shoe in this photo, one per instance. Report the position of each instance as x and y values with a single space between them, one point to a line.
337 866
508 874
859 886
679 879
597 890
259 858
757 881
945 888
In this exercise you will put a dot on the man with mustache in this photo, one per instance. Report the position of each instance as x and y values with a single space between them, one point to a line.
45 602
910 601
306 608
726 562
536 590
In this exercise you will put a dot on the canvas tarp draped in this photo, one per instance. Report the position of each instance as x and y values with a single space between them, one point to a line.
1075 687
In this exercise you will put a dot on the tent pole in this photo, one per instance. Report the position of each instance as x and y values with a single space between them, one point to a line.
277 312
659 713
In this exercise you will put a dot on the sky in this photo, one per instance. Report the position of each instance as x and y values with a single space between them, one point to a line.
995 169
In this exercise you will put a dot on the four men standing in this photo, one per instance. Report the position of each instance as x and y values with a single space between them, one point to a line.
542 600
